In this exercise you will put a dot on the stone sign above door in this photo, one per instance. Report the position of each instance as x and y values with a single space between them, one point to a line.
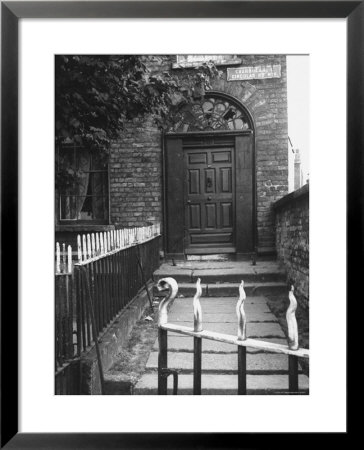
185 61
254 72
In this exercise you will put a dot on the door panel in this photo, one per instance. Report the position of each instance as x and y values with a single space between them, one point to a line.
195 216
210 239
221 157
210 196
211 215
209 180
194 181
197 158
226 215
225 178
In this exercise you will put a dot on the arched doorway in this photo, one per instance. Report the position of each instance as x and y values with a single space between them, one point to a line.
209 178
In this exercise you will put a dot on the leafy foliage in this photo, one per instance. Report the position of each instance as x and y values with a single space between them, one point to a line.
97 94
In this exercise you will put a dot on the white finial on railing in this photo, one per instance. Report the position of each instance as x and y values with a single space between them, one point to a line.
64 258
112 241
197 311
101 244
58 258
93 245
105 242
162 285
89 254
291 321
84 248
241 313
108 241
97 244
137 235
79 248
69 259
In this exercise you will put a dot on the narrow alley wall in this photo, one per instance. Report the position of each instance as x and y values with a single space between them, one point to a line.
292 239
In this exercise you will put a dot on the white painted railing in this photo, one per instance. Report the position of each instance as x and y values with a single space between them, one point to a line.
96 245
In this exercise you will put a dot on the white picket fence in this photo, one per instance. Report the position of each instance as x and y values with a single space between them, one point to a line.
97 245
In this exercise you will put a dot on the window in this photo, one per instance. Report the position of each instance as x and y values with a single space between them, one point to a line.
211 113
84 194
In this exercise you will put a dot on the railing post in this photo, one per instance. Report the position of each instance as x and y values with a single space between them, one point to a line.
197 353
293 373
292 342
241 337
241 370
90 302
162 361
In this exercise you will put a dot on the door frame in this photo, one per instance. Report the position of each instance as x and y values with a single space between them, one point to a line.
172 141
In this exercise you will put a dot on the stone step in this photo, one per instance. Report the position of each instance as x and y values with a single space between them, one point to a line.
222 384
229 289
220 363
219 272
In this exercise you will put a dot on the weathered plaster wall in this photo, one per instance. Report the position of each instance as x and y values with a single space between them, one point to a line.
292 239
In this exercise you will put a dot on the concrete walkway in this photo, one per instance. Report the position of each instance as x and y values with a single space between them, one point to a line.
267 373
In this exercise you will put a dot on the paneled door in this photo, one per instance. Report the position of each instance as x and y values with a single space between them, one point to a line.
209 198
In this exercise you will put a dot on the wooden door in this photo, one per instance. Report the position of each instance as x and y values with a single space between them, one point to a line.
209 198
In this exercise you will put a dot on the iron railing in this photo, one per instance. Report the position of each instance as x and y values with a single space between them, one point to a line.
110 270
241 340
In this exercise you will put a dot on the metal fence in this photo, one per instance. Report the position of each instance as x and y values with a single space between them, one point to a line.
241 340
90 292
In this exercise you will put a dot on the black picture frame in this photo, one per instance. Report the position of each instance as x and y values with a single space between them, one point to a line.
11 12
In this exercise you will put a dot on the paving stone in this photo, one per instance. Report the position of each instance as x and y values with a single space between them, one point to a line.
184 290
254 329
222 384
185 305
176 317
258 362
216 300
236 274
180 343
256 288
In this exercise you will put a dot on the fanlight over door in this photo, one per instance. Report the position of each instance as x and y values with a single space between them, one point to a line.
211 113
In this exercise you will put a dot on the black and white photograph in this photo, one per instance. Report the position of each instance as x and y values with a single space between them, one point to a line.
181 224
181 199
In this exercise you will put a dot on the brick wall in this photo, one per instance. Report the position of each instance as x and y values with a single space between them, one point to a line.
266 100
292 239
136 175
136 159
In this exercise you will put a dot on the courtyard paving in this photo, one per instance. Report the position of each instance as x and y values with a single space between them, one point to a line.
267 373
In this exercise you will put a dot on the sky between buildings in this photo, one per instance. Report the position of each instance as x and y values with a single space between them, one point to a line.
298 111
